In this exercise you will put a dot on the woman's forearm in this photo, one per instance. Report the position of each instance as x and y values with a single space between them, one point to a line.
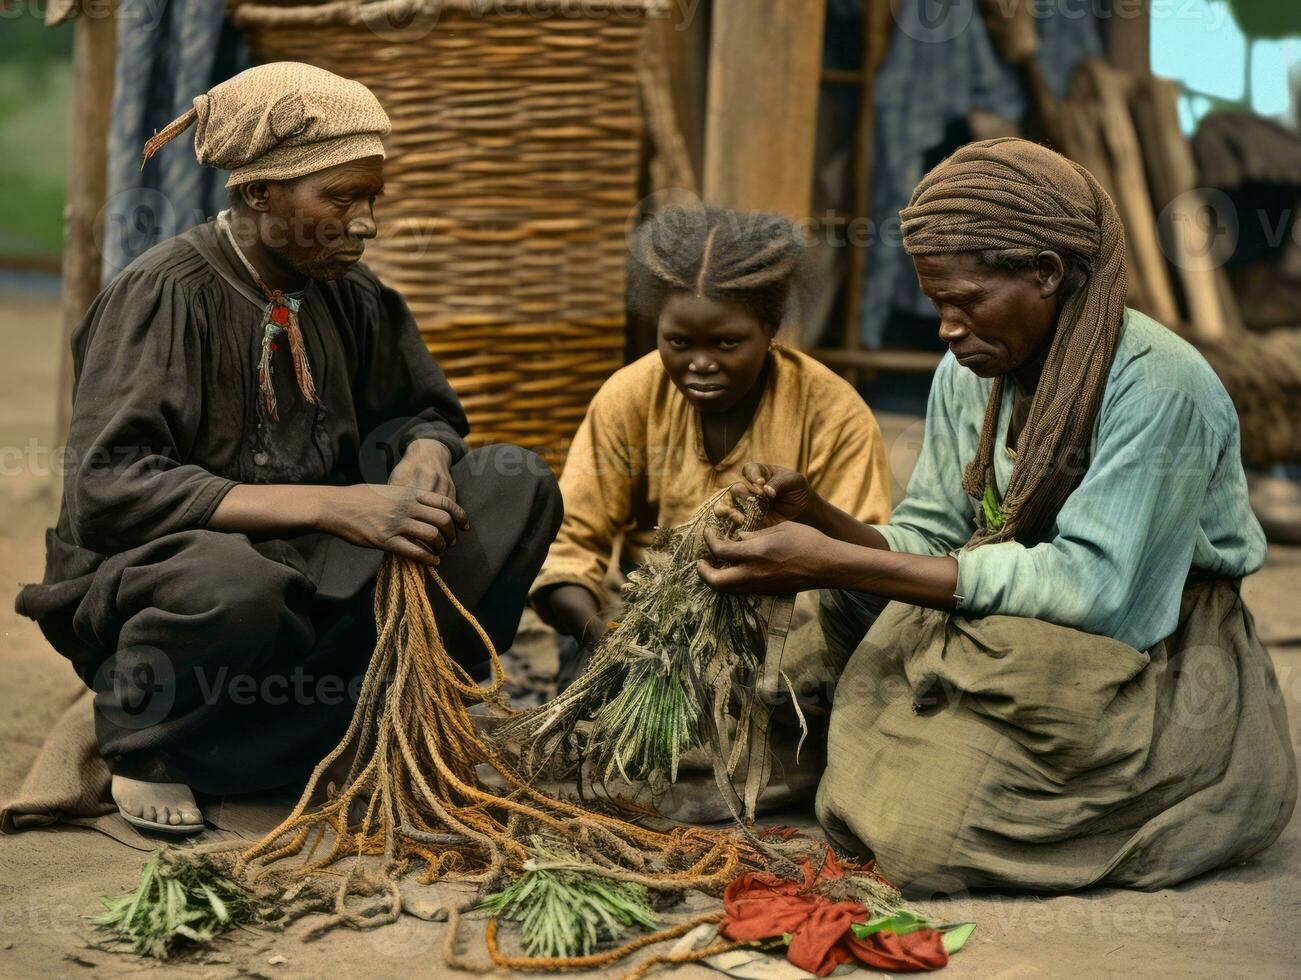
922 580
835 523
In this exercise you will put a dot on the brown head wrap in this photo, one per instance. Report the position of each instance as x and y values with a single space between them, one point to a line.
280 121
1010 193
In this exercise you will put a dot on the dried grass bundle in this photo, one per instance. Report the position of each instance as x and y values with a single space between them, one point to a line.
681 669
182 900
565 913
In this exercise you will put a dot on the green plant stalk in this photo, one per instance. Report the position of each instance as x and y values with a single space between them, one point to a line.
690 631
182 899
565 913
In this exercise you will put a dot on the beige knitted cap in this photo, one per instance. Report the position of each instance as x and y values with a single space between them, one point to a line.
280 121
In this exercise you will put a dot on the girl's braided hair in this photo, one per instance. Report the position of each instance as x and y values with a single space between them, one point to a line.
747 258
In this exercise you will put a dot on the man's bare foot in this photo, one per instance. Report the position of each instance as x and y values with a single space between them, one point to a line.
165 807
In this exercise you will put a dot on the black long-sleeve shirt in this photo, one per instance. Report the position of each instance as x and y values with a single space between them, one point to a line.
166 416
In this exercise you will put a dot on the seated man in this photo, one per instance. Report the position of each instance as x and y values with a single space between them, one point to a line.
242 391
1068 690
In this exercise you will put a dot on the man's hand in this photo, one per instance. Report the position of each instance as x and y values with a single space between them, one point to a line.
789 557
788 493
426 465
411 523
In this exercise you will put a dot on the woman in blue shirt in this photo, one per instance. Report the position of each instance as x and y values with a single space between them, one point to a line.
1079 498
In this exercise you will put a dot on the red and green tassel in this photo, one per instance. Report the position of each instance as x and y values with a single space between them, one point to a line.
281 317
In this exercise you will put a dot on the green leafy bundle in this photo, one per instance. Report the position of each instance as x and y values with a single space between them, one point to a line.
565 912
182 899
648 725
679 670
901 922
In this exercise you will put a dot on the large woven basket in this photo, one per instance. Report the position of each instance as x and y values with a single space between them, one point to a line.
511 171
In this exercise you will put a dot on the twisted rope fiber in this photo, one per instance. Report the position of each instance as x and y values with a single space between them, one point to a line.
413 780
593 961
678 959
1011 193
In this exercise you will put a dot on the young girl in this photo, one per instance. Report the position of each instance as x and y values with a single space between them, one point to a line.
671 429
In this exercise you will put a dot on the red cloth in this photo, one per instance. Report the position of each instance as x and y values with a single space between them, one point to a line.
909 953
758 905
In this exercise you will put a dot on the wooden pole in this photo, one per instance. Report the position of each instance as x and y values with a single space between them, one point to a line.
94 39
687 52
1108 90
1172 180
1129 36
672 165
874 42
765 62
1081 134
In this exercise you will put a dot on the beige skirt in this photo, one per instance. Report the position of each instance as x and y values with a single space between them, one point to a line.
1011 752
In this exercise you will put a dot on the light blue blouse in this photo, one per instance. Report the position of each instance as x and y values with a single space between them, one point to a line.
1164 493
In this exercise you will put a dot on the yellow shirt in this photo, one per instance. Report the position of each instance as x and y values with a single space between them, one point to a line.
638 460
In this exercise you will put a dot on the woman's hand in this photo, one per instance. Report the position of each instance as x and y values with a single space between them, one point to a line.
789 557
426 465
788 493
404 521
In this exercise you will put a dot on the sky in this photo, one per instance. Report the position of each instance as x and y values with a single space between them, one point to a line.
1197 42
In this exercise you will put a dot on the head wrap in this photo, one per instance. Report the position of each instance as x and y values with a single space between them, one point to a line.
280 121
1011 193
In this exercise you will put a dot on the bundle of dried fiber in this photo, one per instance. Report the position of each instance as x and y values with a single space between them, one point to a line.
683 667
412 796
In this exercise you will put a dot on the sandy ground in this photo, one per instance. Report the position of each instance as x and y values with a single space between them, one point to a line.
1241 921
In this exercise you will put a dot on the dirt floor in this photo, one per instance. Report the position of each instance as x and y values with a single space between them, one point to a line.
1243 921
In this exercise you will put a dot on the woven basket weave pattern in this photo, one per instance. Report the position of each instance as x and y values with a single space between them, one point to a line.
511 171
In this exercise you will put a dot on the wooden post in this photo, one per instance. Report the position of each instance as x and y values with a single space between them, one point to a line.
765 62
1172 180
94 39
1108 91
672 165
1129 36
874 42
687 52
